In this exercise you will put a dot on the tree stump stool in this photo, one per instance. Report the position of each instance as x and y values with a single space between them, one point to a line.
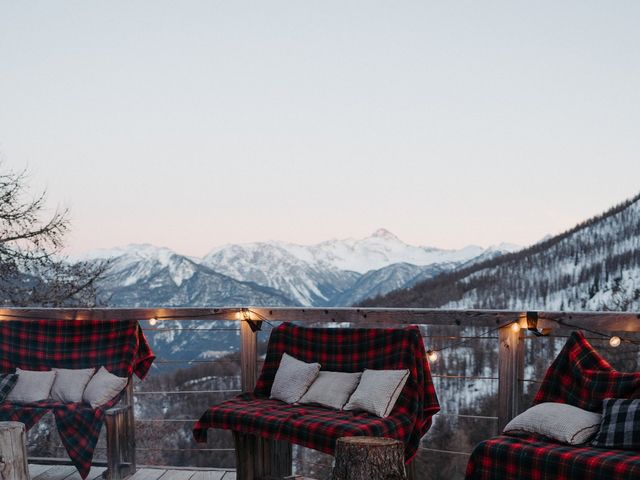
369 458
13 452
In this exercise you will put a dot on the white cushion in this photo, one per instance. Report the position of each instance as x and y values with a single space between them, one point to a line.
332 389
293 379
70 383
562 422
31 386
378 391
103 387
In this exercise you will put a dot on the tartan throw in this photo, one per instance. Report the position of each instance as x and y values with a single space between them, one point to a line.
7 382
529 457
620 427
339 350
120 346
580 377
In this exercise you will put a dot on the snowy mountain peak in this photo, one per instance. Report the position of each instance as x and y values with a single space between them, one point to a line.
384 233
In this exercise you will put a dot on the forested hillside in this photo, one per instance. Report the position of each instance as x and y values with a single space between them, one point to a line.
593 266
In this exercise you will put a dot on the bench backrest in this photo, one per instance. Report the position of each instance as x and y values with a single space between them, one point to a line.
119 346
353 350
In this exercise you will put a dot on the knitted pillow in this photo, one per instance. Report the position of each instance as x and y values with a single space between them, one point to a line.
562 422
620 426
378 391
332 389
32 386
70 384
293 379
7 382
103 387
580 377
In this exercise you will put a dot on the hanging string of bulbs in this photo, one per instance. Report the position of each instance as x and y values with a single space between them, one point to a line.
254 318
515 326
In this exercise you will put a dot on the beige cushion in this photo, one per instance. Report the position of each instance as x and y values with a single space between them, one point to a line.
562 422
70 383
378 391
103 387
31 386
332 389
293 379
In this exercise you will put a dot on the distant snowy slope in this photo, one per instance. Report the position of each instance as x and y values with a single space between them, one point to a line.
335 272
594 266
273 265
387 279
325 274
146 276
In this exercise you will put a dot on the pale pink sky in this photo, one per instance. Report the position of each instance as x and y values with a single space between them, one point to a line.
191 124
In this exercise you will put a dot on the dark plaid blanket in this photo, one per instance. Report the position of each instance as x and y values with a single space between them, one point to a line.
527 457
336 349
580 377
119 346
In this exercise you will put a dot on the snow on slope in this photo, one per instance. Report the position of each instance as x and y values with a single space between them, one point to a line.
594 266
325 274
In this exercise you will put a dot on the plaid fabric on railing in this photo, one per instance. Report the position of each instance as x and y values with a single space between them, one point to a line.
527 457
580 377
336 349
119 346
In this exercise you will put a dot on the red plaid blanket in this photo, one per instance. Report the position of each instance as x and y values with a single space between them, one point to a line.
336 349
119 346
533 458
580 377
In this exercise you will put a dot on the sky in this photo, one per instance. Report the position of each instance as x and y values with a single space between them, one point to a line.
193 124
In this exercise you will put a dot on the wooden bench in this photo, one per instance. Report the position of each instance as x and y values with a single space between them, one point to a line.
119 346
264 429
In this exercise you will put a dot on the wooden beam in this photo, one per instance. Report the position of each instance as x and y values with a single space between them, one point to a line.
248 357
605 321
510 371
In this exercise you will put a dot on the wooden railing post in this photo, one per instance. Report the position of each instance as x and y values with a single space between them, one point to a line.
256 457
248 357
510 371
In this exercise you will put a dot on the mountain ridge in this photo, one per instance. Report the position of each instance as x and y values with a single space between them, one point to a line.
594 265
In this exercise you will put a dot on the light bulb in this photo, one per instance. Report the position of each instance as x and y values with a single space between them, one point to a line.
515 326
615 341
432 356
153 321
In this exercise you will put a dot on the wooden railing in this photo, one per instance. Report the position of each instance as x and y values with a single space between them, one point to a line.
510 340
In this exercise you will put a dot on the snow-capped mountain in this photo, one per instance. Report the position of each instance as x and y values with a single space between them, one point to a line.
274 265
331 273
145 276
386 279
594 266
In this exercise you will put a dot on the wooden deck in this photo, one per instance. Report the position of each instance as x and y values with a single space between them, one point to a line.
67 472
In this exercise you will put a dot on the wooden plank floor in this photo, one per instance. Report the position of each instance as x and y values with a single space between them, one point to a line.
67 472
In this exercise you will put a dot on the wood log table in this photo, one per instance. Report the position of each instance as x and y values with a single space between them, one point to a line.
13 452
369 458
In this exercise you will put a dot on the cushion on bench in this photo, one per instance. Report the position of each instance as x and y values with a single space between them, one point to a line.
336 349
528 457
120 346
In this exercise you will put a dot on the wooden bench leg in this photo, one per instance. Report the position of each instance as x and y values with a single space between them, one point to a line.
410 468
121 440
259 458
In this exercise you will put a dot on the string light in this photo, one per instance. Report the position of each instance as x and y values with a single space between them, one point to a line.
515 327
153 321
432 355
615 341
